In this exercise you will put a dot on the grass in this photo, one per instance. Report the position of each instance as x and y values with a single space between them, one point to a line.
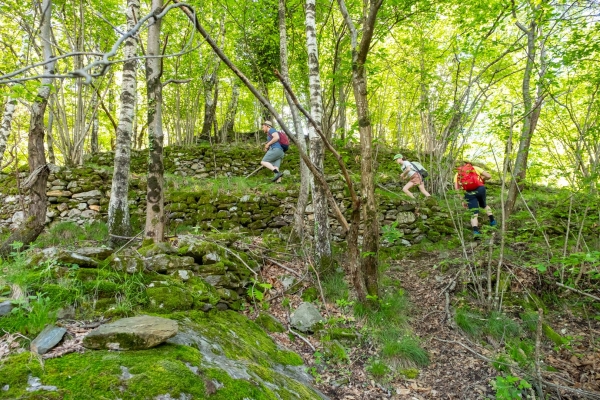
71 233
335 287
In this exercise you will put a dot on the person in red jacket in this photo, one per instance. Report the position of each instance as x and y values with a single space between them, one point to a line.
472 179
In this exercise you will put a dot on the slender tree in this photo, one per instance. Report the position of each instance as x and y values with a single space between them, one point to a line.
360 52
322 243
118 207
155 201
304 171
38 169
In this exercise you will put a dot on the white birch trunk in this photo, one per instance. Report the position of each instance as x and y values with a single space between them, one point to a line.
322 244
118 206
155 201
7 116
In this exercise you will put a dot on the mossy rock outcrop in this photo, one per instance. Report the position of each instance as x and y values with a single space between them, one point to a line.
217 355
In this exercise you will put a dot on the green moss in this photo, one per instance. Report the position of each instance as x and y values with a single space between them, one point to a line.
241 338
97 374
410 373
166 299
269 322
310 294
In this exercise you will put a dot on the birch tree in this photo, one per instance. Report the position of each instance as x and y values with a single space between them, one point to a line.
322 244
304 171
118 207
7 116
155 200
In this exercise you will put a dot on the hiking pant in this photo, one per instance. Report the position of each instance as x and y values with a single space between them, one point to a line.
476 199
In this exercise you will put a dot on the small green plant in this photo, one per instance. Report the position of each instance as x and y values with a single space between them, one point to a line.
510 387
257 291
405 347
378 369
390 233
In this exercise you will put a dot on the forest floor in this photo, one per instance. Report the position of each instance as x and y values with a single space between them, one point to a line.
460 366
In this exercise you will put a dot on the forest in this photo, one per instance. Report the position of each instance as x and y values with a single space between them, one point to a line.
137 129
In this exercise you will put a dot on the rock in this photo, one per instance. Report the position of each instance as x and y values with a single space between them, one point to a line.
62 207
136 333
287 281
184 275
47 339
88 195
59 193
69 257
406 218
163 263
95 207
18 217
306 317
269 322
5 307
82 206
74 213
211 258
34 384
100 253
127 263
89 214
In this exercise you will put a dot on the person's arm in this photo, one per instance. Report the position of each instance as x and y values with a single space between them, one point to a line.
485 176
456 186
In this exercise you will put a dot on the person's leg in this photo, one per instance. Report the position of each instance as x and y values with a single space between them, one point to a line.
272 156
406 189
278 174
482 199
423 190
473 205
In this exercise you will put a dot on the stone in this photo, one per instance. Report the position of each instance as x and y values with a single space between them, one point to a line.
59 193
184 275
62 207
127 263
100 253
68 257
306 317
34 384
93 202
47 339
135 333
5 307
164 263
89 214
406 218
18 217
82 206
73 213
88 195
95 208
287 281
56 188
211 258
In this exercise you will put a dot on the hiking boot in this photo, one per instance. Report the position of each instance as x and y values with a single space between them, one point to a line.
493 223
477 235
277 176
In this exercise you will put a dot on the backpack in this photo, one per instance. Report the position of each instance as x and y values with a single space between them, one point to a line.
420 169
468 178
284 141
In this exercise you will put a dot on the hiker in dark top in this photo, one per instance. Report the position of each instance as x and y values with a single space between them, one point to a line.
472 179
274 151
415 178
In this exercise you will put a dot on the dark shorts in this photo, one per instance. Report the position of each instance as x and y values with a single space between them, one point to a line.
476 199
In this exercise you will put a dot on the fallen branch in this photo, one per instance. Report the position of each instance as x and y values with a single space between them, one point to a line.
578 291
284 267
302 338
255 171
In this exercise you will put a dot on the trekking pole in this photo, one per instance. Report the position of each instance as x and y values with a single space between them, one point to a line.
255 171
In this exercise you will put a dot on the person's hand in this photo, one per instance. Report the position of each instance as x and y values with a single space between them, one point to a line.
266 147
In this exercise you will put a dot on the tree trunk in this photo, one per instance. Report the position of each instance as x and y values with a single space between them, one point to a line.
49 138
94 148
36 182
155 210
304 171
227 128
368 258
9 111
531 112
118 206
322 243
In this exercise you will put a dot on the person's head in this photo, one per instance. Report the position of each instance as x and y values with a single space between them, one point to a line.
460 163
266 125
398 158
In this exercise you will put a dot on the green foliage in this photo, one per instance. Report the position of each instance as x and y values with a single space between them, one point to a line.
405 347
378 369
69 234
335 287
510 387
29 316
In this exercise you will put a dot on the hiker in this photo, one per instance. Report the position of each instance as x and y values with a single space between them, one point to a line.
274 151
472 179
409 170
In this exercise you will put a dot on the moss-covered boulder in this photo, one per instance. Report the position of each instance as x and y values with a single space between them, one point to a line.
165 263
136 333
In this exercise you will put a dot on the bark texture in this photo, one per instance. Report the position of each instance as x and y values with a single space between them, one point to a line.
118 206
7 116
35 218
155 201
304 171
322 243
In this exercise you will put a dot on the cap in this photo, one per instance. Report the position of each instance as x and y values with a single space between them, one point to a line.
397 156
268 123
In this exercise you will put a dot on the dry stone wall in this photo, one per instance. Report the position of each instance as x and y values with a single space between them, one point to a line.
82 195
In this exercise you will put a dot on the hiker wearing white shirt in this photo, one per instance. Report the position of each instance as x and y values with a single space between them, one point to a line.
410 171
